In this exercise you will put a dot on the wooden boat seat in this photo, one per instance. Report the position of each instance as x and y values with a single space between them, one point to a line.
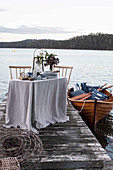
64 71
16 70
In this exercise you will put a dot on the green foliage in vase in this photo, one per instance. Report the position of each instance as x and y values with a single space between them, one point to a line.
50 59
40 58
44 58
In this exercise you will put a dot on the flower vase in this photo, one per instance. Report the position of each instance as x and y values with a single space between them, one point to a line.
38 67
51 67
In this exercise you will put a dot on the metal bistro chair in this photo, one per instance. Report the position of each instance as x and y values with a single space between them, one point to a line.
18 69
64 71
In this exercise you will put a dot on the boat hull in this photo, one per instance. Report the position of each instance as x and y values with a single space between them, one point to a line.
92 111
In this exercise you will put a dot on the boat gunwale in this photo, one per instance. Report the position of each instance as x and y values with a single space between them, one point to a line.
90 101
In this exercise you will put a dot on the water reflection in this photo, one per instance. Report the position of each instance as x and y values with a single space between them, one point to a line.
104 133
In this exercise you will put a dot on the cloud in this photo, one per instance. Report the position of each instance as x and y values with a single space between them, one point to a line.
34 30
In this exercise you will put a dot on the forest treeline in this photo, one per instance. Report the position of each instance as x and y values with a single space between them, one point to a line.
96 41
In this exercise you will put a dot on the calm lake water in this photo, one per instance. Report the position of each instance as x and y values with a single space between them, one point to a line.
93 67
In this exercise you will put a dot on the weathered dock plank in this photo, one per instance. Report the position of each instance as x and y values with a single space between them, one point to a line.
72 145
69 145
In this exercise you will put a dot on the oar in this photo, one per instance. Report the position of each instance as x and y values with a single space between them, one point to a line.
81 96
107 87
98 90
86 95
103 85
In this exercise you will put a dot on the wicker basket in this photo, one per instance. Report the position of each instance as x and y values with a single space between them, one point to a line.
9 163
23 144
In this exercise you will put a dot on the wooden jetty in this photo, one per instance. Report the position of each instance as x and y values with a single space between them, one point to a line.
69 145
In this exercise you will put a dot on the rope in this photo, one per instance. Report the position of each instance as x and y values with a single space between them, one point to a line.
82 106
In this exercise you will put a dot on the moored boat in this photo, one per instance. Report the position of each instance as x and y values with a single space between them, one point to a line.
92 110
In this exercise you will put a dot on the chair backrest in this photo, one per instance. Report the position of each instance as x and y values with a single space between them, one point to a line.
16 70
64 71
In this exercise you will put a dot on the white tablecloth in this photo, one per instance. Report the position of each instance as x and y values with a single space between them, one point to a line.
35 104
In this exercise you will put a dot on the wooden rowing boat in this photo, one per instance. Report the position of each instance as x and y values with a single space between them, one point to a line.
92 110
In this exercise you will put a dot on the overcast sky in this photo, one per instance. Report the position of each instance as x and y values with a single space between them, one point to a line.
54 19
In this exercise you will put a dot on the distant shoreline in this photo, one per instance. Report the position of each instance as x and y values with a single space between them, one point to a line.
56 48
86 42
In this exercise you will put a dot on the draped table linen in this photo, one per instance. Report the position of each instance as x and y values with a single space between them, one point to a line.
34 105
